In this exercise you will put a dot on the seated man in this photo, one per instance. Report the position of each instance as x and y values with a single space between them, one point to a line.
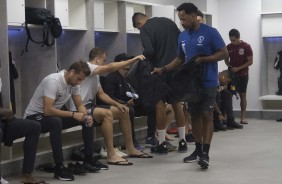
117 87
45 107
12 128
226 106
90 88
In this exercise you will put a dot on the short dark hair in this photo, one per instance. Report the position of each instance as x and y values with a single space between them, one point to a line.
96 52
199 13
234 32
136 16
80 66
188 8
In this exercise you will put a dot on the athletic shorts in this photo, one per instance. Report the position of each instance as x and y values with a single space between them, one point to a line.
242 83
206 104
92 107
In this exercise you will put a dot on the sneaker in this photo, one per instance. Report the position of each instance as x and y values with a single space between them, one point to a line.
235 125
95 163
138 146
191 158
103 152
77 169
62 173
120 153
160 149
182 148
151 142
88 167
3 181
189 138
204 161
170 147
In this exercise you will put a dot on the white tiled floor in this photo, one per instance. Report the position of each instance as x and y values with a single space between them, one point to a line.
248 156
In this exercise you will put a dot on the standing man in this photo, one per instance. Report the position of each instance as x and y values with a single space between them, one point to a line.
159 38
240 58
200 39
45 107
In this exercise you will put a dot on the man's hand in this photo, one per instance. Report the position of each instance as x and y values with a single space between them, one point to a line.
131 102
123 108
198 60
158 71
6 114
79 116
139 57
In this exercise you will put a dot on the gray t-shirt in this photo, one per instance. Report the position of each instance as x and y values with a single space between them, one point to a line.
88 88
55 87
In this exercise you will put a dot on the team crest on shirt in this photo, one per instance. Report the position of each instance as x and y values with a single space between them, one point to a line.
200 40
241 51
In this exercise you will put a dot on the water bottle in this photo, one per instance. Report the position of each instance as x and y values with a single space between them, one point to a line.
89 115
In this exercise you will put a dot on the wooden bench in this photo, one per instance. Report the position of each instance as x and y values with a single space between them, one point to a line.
271 102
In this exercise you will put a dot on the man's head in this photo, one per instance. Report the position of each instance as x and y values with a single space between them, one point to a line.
139 19
123 57
200 17
224 77
98 56
234 37
187 13
77 72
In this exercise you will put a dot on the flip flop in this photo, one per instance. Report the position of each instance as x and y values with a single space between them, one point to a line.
244 122
121 163
143 155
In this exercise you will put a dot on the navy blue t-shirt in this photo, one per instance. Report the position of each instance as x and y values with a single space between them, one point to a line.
204 41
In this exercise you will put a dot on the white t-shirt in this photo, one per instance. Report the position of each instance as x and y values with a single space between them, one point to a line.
88 88
55 87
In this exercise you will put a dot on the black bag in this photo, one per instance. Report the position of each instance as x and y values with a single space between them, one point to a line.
186 84
51 26
150 88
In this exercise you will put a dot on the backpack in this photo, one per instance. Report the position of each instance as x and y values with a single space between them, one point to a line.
52 27
186 84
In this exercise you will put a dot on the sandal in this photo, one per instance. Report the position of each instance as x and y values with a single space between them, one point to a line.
244 122
143 155
120 163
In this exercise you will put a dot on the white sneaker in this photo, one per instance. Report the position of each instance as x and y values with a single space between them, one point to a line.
4 181
104 153
120 153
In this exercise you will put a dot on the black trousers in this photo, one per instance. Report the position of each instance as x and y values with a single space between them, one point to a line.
18 128
226 104
55 125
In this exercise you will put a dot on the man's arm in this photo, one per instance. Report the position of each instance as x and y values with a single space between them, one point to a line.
50 110
248 63
178 61
221 54
6 114
108 100
114 66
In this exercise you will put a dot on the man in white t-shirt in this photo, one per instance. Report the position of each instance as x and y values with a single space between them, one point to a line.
91 88
45 107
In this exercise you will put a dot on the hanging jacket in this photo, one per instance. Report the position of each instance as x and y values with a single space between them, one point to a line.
150 88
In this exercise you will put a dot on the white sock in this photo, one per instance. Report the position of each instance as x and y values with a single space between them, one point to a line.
161 135
181 132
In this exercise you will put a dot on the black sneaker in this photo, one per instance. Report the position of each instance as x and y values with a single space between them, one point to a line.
191 158
77 169
151 142
62 173
189 138
182 147
235 125
90 168
160 149
101 165
204 161
170 147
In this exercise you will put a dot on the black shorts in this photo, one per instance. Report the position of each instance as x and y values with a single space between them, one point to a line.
242 84
92 107
206 103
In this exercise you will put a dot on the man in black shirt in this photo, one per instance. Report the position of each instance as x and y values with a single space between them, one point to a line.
159 37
